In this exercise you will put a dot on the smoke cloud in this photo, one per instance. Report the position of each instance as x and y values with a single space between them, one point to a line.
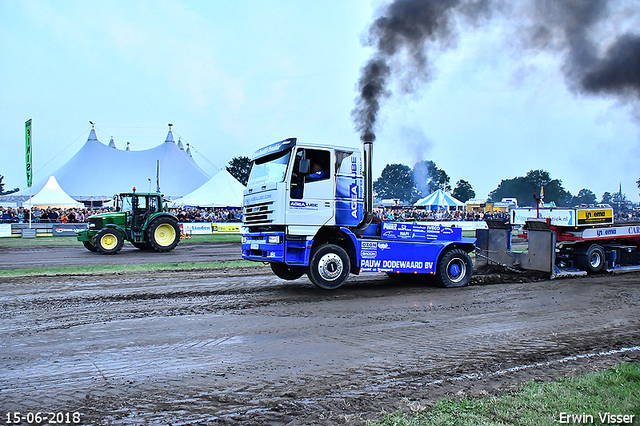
406 31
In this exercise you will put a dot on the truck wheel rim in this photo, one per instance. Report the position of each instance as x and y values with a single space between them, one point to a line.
109 241
164 234
595 260
456 270
330 267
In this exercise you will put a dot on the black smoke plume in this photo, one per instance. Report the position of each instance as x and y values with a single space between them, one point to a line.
406 30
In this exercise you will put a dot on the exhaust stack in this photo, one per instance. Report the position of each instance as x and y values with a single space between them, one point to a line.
367 148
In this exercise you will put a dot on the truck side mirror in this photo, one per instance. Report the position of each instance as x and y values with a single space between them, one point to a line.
305 166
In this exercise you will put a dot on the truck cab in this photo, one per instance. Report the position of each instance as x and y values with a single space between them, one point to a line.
301 221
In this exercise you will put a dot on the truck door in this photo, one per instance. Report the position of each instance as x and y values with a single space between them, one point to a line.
311 195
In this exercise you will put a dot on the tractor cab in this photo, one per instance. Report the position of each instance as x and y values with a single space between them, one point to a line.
138 208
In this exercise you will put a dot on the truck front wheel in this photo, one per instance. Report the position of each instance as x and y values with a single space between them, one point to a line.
454 269
163 234
329 266
287 272
108 241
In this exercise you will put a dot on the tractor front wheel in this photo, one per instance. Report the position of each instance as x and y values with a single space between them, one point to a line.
108 241
163 234
90 246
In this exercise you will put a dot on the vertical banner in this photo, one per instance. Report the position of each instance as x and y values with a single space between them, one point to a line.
27 149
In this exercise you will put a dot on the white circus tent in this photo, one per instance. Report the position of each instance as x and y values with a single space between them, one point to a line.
52 195
440 200
98 171
222 190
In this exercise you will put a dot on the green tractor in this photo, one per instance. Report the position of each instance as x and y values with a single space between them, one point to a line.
140 218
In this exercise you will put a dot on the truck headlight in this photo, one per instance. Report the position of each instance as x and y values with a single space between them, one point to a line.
273 239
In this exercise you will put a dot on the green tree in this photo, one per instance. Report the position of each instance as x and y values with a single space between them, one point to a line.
619 200
463 191
607 198
2 188
396 181
585 196
239 168
429 178
524 188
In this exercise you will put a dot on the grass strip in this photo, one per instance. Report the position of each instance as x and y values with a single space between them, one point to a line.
114 269
65 241
599 398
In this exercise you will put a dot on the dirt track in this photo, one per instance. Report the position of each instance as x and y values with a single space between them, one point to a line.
243 347
77 255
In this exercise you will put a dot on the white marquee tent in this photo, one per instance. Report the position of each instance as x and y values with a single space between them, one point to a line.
440 200
222 190
98 171
51 195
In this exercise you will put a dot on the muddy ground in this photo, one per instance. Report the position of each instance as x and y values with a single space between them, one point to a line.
77 255
240 346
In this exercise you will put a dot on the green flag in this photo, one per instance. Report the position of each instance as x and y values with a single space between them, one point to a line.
27 150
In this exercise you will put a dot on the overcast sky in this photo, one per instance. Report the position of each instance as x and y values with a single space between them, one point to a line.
233 76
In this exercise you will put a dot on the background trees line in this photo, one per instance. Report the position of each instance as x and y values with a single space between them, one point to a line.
399 181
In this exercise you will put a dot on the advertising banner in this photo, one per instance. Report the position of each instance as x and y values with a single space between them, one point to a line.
227 228
27 150
192 228
5 229
67 229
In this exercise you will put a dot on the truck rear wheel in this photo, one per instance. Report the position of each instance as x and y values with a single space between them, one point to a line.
287 272
108 241
591 260
454 269
329 266
163 234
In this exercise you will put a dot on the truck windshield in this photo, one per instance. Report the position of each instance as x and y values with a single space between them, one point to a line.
269 169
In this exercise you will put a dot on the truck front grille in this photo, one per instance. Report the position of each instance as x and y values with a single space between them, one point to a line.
258 214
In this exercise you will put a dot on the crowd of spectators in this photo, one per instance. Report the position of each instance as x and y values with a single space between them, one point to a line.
76 215
47 215
414 214
214 215
218 215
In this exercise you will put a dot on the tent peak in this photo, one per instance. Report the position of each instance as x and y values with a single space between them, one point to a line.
170 135
112 143
92 133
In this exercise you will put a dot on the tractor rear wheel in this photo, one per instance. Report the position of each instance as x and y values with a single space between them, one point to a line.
163 234
108 241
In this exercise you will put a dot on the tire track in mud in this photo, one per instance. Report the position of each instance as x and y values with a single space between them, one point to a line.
234 347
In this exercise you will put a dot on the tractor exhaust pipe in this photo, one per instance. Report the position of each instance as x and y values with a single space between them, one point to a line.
367 148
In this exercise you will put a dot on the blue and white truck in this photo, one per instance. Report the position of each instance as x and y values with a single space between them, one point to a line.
324 226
